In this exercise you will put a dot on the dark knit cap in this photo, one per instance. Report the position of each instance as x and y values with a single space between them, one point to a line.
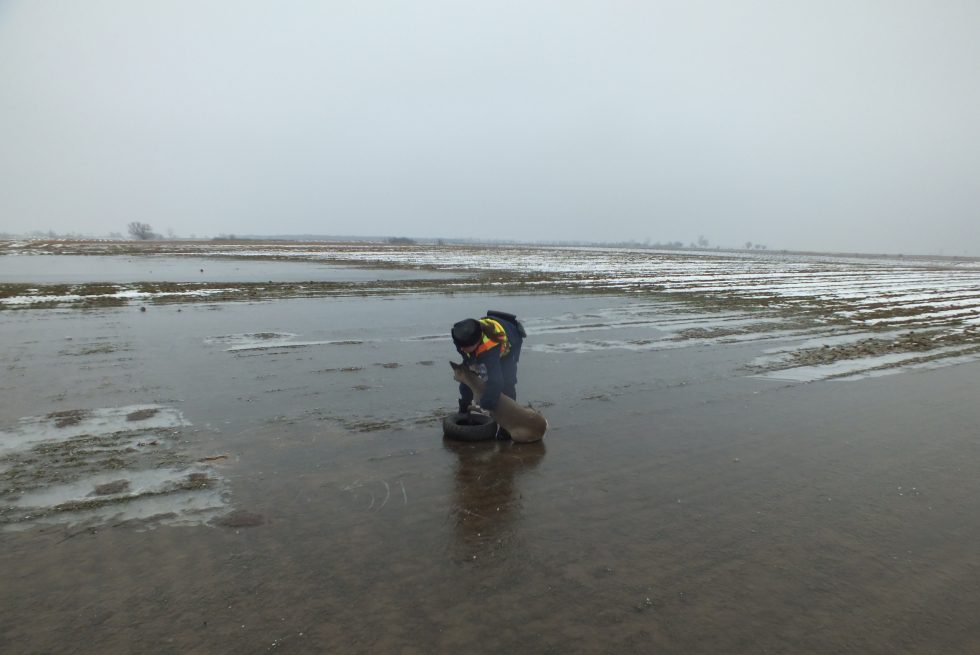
467 333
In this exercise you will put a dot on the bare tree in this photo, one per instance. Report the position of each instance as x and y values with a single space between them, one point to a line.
141 231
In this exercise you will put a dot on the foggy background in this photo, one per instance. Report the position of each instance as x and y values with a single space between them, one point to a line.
841 125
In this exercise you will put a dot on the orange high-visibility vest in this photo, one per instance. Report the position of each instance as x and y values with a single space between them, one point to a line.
499 338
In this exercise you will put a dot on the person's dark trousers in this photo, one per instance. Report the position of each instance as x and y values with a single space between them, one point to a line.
508 369
508 365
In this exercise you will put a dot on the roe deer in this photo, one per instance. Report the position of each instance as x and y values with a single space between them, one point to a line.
523 423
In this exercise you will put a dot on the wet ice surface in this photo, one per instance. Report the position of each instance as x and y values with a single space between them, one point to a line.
154 498
678 504
62 426
90 467
865 366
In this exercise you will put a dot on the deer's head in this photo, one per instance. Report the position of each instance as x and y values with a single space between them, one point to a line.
459 371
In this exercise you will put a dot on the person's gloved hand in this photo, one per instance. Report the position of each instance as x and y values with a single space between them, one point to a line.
476 409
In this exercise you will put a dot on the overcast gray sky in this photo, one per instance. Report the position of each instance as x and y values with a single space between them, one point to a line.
833 125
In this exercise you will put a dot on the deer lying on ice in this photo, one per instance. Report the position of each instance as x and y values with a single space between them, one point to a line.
523 423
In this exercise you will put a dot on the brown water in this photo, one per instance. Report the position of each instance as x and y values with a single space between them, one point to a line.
675 506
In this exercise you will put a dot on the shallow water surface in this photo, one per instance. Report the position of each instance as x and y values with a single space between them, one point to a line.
81 269
677 505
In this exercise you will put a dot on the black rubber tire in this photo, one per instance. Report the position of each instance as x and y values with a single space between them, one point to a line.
469 427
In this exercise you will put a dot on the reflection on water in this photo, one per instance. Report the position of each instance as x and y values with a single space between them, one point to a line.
79 269
486 502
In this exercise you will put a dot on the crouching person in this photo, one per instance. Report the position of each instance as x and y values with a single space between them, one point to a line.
491 346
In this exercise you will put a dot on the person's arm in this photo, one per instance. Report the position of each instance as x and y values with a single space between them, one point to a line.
495 378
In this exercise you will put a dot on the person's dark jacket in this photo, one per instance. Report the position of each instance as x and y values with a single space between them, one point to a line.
494 373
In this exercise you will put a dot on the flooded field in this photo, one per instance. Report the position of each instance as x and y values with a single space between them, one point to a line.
861 315
269 475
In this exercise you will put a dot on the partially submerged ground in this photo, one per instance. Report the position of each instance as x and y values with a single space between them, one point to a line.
879 312
676 505
84 467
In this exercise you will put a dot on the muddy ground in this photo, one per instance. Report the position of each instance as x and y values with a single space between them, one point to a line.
271 477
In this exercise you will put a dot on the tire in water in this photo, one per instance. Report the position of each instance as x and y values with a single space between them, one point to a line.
469 427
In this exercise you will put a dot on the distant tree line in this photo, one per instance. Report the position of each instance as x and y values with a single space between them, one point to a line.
145 232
